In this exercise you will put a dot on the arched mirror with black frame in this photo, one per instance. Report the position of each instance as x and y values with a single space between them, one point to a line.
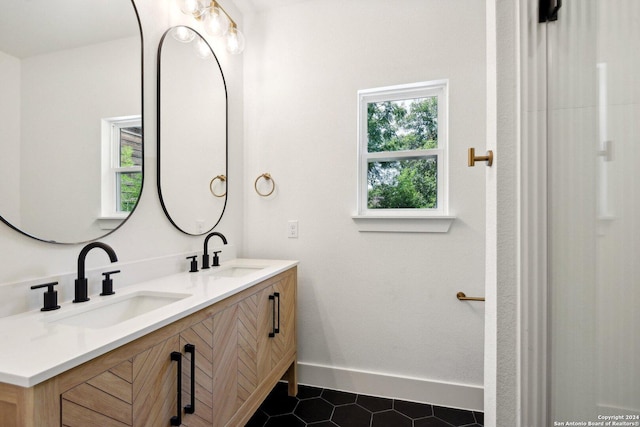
71 144
192 132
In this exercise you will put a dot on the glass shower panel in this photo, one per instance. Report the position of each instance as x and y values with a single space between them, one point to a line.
593 127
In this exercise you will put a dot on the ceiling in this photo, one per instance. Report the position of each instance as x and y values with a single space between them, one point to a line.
34 27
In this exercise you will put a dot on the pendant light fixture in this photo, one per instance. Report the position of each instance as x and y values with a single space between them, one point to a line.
192 7
216 21
183 34
235 40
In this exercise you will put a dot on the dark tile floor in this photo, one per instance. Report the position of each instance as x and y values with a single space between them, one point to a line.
316 407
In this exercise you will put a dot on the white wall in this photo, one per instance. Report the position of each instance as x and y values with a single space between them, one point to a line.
503 192
10 136
147 234
377 311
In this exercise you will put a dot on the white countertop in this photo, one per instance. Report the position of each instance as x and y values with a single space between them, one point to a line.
35 347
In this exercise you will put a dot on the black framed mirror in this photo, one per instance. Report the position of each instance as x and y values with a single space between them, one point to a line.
192 132
71 144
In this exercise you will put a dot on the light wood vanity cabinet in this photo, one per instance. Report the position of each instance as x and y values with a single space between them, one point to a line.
240 354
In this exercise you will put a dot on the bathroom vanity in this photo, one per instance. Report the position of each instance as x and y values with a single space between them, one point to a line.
207 356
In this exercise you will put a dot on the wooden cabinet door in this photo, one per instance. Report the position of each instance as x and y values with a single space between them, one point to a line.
248 378
155 385
276 324
104 401
225 365
267 322
285 340
200 336
260 347
138 392
243 353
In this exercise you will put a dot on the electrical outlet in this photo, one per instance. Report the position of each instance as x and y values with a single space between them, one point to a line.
292 229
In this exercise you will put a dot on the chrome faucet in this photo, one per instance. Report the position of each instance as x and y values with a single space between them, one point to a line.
81 282
205 256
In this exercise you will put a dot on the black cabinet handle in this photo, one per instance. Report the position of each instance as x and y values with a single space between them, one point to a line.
176 356
190 348
277 295
273 317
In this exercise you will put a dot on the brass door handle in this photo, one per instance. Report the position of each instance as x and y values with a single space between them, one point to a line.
473 158
462 297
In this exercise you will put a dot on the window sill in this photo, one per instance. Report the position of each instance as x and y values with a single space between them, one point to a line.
404 224
110 222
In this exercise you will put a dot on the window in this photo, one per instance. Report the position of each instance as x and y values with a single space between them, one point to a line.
402 170
121 166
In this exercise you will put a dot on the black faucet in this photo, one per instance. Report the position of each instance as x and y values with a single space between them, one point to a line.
205 256
81 281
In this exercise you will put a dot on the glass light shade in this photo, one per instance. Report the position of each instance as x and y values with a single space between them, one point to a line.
183 34
235 41
216 22
202 49
192 7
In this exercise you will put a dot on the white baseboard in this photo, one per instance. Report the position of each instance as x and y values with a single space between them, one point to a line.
394 387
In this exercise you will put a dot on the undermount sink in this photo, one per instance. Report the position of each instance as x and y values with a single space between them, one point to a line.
119 309
235 271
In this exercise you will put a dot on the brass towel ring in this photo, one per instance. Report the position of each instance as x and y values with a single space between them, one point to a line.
267 177
222 179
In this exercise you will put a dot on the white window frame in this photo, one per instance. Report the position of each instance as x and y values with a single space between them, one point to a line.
110 216
411 219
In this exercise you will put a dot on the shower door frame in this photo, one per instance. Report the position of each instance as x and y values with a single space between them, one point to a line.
534 313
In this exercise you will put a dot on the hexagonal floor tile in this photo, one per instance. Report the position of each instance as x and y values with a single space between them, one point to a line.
314 410
374 404
413 410
277 404
307 392
457 417
430 422
336 397
323 424
289 420
317 407
351 415
258 419
390 418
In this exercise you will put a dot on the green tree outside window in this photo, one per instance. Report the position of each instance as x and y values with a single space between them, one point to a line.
406 125
129 183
